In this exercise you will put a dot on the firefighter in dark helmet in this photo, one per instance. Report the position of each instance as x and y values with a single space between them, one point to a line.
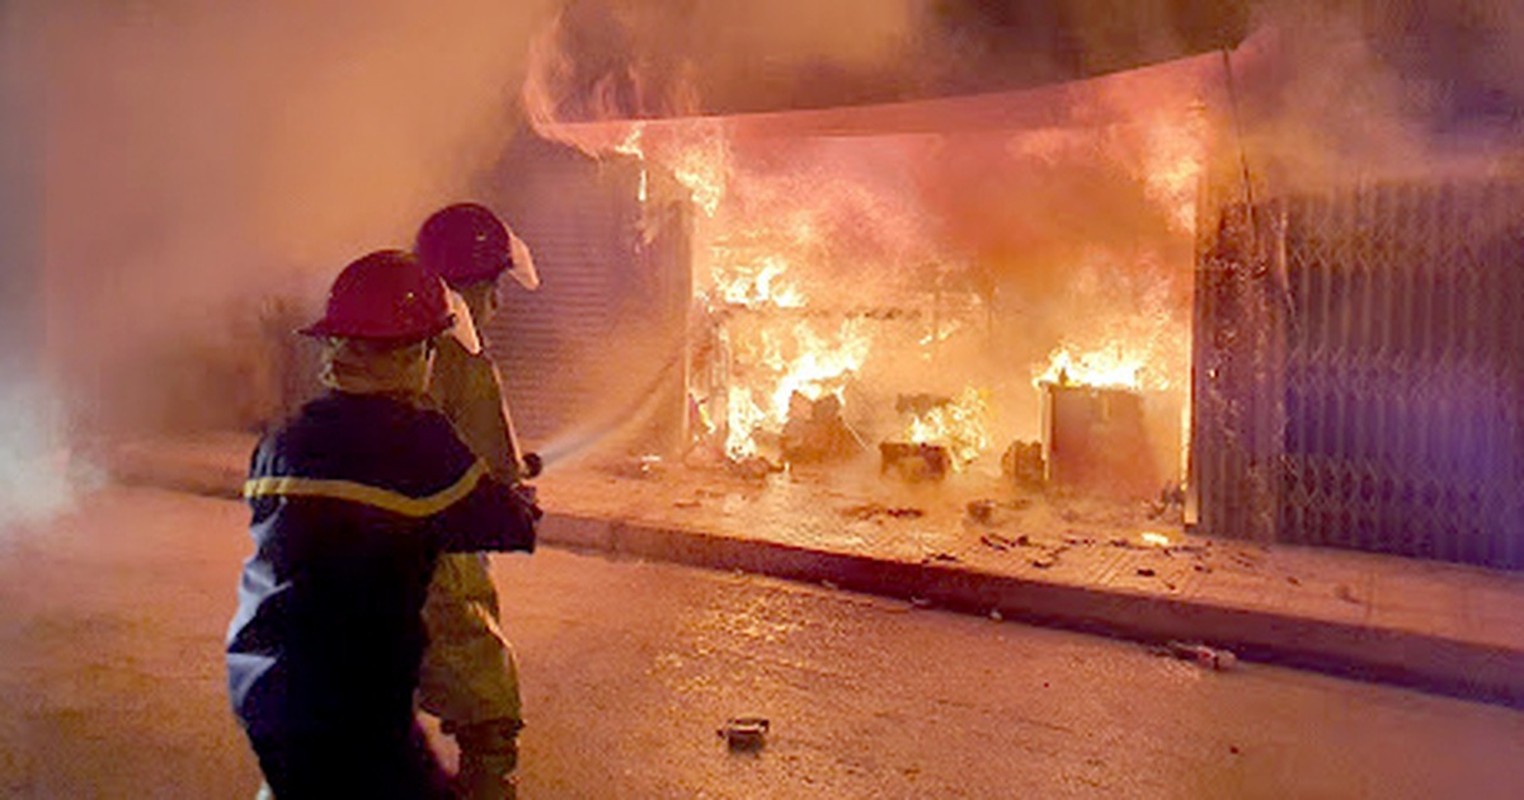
353 500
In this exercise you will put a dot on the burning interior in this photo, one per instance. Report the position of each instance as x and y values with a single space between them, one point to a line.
965 290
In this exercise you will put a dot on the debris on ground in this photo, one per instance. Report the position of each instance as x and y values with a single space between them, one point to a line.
914 462
872 512
996 615
1216 658
1022 464
1171 503
1343 592
1293 580
639 467
994 512
982 511
816 433
939 556
753 468
1146 572
745 733
686 504
920 602
995 541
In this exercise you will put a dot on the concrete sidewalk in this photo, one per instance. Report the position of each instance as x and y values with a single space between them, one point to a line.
1061 561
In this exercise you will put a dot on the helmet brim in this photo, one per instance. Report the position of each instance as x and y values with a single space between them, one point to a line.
326 328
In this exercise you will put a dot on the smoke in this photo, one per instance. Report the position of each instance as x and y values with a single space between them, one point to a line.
40 475
1369 90
608 59
203 159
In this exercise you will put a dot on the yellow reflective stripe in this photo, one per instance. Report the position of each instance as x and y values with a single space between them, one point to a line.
368 495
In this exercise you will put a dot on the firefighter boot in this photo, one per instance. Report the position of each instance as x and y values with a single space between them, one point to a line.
489 754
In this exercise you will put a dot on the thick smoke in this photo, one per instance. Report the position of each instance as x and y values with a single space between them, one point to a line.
192 175
1366 90
204 159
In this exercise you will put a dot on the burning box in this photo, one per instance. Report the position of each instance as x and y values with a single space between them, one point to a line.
1097 441
914 461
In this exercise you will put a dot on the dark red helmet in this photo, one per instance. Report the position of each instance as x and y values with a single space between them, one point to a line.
464 244
385 295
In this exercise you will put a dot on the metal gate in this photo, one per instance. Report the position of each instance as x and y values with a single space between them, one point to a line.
1358 378
600 341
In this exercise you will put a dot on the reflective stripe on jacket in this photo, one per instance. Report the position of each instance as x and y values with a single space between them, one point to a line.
353 500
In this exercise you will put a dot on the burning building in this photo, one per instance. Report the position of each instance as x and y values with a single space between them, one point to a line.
907 290
1034 287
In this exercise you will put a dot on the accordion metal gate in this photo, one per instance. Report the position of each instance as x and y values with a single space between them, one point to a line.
1359 371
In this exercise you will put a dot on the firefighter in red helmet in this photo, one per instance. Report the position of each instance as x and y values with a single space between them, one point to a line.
353 500
469 677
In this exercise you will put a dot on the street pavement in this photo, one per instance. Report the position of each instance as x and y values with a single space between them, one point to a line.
111 670
977 544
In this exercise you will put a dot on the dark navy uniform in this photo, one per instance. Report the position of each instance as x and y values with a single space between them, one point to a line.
353 501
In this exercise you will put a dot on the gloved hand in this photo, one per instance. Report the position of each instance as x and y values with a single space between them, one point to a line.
533 465
530 495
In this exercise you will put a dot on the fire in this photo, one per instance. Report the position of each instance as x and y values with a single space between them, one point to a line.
779 363
1109 367
865 267
961 426
632 146
758 285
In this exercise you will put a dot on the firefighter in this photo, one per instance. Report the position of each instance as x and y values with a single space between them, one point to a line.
469 678
353 500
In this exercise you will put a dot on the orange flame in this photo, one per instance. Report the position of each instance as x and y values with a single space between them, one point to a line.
961 426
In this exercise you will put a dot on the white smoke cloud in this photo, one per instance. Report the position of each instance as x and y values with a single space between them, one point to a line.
40 476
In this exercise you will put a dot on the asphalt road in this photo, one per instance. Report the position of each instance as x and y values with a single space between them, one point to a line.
111 621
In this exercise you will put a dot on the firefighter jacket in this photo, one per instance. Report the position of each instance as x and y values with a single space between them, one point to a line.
469 674
353 500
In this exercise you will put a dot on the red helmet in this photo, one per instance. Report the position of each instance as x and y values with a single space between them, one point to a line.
384 295
464 243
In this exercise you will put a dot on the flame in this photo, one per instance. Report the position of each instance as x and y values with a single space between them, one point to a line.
632 146
805 252
758 285
1109 367
961 426
780 362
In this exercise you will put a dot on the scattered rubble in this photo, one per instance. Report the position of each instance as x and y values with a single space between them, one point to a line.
940 557
992 512
995 541
1023 464
816 433
914 462
875 512
745 733
1347 594
639 467
1216 658
754 468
